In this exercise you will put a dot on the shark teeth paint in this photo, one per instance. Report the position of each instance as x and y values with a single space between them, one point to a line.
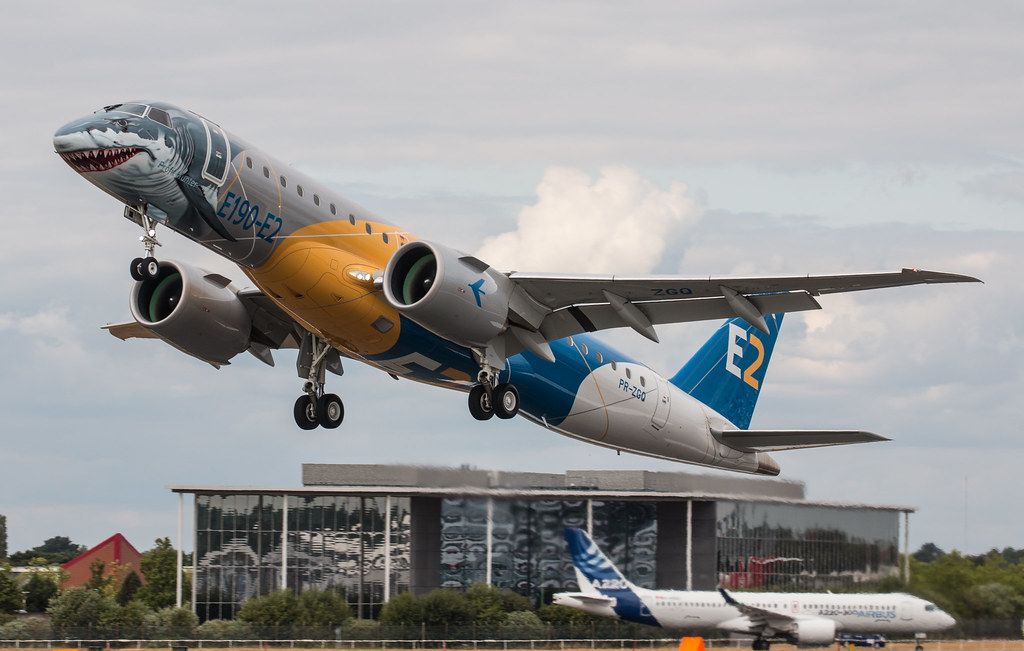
99 160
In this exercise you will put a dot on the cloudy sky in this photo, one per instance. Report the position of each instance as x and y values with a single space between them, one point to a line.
709 138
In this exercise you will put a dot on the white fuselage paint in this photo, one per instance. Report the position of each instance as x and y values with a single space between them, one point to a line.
629 407
887 614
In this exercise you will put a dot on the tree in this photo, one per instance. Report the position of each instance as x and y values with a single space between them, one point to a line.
129 587
522 624
446 607
928 552
97 581
402 610
39 588
160 567
53 551
11 599
322 608
3 537
127 620
490 605
79 608
279 608
175 623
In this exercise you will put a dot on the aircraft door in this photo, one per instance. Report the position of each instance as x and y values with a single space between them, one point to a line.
906 611
663 406
218 154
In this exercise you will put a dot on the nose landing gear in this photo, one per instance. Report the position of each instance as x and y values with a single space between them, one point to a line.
316 407
147 267
490 398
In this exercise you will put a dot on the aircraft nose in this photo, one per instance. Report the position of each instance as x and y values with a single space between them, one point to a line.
72 135
948 621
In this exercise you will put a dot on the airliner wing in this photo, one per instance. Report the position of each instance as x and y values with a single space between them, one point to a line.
759 617
272 328
768 440
574 304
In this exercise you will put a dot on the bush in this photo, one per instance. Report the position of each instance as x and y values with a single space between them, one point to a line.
322 608
402 610
224 629
172 623
128 620
79 609
361 629
522 625
279 608
27 628
490 605
445 607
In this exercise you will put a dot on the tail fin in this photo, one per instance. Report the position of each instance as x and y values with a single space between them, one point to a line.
594 572
728 371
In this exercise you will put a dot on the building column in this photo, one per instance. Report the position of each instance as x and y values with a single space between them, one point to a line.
490 540
180 560
906 547
689 544
284 544
387 549
195 552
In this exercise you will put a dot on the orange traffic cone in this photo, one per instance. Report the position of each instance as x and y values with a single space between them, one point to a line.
691 644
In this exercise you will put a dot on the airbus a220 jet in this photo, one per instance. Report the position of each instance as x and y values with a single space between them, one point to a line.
335 280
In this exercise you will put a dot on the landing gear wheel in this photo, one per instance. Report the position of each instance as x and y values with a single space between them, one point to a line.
135 268
306 412
480 404
330 411
506 401
150 267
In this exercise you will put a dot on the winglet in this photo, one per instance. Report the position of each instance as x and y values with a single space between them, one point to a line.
728 597
941 276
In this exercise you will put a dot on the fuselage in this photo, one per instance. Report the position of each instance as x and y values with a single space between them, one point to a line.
315 254
890 613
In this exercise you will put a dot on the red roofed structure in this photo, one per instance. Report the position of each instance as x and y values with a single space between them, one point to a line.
117 555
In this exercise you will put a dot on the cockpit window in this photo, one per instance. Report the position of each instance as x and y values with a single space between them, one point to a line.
160 116
930 607
134 109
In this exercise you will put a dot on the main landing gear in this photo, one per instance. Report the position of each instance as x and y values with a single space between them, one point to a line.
316 407
145 268
761 644
491 398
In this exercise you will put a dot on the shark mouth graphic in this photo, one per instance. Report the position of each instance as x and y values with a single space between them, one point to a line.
99 160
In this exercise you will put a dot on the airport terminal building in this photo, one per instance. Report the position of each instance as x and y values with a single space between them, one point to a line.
378 530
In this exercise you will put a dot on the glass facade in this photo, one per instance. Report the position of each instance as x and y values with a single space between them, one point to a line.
334 542
795 548
340 542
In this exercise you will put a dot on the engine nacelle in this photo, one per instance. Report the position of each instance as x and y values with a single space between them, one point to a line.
450 293
814 631
195 311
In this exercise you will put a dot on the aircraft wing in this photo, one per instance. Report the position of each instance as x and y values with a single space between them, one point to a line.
760 618
567 305
272 328
769 440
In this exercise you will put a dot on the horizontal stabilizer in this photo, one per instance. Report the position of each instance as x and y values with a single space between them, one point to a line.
768 440
597 600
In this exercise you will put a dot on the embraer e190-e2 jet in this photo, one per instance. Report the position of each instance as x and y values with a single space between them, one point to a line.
798 618
335 280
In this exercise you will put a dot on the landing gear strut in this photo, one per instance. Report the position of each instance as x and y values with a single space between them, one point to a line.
492 398
144 268
760 644
316 407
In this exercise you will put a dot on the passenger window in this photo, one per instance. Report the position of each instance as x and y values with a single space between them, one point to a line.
643 382
284 182
629 376
334 211
600 358
583 349
570 341
369 229
248 162
352 219
615 366
298 189
266 173
316 199
385 237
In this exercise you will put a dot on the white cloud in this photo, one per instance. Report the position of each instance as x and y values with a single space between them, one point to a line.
616 223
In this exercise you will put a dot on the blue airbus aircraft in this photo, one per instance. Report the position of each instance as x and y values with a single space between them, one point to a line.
334 281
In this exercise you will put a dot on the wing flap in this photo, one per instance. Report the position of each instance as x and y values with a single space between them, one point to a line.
775 440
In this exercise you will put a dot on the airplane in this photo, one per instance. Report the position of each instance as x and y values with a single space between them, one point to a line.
334 281
810 618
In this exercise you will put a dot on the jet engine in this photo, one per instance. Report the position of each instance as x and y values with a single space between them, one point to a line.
450 293
814 631
195 311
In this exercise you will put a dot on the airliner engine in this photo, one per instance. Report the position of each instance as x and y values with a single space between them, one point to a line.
814 631
196 311
450 293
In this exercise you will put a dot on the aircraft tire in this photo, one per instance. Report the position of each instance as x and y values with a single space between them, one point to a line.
506 401
480 405
305 413
150 267
135 268
330 411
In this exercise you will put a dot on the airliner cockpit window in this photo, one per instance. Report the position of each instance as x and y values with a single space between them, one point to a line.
930 607
160 116
134 109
